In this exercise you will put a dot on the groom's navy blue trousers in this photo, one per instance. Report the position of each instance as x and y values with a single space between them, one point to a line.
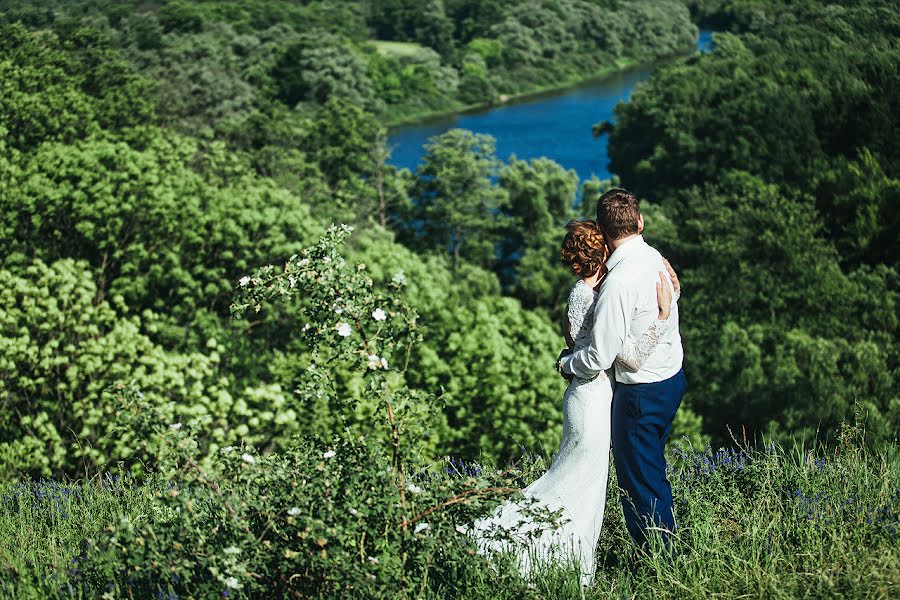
642 416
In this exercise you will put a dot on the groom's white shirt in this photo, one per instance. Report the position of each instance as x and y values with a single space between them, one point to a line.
626 306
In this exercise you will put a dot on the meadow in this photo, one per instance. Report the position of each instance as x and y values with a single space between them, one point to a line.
768 522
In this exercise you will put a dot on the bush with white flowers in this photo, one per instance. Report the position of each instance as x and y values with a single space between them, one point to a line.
359 514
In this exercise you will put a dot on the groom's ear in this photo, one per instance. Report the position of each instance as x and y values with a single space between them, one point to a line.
640 223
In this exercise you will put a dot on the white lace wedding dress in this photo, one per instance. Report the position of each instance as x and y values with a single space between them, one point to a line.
575 483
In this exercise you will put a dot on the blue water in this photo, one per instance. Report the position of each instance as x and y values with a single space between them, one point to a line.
556 126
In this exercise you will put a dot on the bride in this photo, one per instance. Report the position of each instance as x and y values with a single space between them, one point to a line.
574 487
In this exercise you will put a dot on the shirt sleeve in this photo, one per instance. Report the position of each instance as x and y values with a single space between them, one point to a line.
611 318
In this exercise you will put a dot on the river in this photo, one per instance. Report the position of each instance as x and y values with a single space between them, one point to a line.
557 126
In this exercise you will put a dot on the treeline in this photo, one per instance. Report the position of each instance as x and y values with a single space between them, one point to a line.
775 158
227 66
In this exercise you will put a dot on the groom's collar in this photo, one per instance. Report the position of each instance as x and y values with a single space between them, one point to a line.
623 251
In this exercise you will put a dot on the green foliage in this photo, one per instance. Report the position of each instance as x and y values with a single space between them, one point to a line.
319 66
455 203
63 347
758 115
772 159
326 518
65 90
787 339
222 63
153 229
541 198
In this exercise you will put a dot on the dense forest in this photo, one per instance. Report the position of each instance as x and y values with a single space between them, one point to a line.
154 154
169 172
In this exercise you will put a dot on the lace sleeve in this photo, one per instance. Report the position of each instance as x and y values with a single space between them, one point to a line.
580 299
634 355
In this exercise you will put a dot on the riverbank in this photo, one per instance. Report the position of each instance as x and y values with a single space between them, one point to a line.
620 66
507 99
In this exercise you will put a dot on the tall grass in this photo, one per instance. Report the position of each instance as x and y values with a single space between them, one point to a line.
766 522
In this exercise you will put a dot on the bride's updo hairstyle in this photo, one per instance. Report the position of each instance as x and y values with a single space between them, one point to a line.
583 248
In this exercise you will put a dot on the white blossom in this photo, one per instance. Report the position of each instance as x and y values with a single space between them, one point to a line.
344 329
232 550
227 448
232 582
291 280
244 281
329 454
420 527
413 489
379 315
293 511
303 262
373 560
337 309
374 361
384 363
248 458
462 529
306 327
354 512
326 260
175 426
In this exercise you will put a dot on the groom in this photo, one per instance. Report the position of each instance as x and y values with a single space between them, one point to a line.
644 402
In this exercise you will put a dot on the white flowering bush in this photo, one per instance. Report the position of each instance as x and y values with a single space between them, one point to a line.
358 514
357 340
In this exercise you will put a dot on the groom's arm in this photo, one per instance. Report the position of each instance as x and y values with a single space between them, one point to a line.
611 318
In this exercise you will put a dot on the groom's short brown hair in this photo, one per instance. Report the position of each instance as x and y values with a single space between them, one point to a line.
618 213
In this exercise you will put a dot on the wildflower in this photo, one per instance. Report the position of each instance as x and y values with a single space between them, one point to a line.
329 454
399 278
227 448
175 426
306 327
461 529
303 262
326 260
343 329
293 511
232 582
374 361
337 309
421 527
379 315
353 512
232 550
384 363
244 281
248 458
413 489
373 560
291 281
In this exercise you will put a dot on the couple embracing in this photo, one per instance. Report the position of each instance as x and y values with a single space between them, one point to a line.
624 366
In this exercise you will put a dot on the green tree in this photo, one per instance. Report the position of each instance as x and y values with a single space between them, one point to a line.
318 66
455 203
541 199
